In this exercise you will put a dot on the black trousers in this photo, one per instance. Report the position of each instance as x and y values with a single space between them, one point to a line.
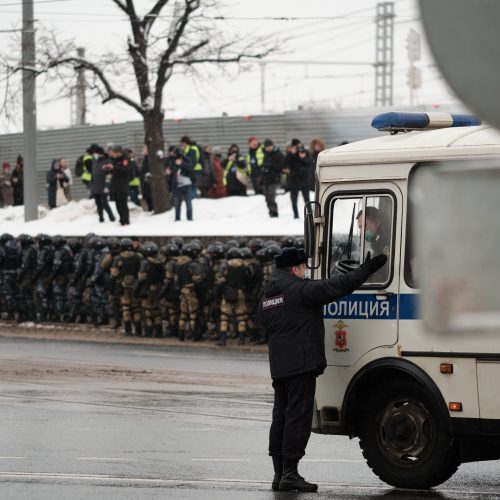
101 201
120 198
292 415
294 196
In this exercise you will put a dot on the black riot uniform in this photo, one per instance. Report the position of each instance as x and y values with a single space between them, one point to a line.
114 294
61 268
76 281
252 292
88 289
148 288
12 261
43 285
290 312
25 278
100 282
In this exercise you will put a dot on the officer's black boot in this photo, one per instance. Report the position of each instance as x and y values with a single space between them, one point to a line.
241 340
158 331
292 480
128 328
148 331
138 328
222 339
278 472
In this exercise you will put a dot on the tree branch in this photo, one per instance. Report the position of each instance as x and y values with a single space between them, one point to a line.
112 94
121 5
152 15
161 80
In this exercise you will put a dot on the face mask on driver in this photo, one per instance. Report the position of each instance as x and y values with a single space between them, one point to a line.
368 235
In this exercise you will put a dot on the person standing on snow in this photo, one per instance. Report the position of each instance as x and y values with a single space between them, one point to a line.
272 168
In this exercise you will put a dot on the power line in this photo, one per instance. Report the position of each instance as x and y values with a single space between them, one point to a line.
17 4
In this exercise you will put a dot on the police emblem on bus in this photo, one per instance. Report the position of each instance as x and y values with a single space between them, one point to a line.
340 337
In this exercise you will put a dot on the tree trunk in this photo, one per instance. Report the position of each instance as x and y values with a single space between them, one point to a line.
153 130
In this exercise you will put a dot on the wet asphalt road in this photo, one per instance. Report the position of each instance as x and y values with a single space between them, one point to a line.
85 420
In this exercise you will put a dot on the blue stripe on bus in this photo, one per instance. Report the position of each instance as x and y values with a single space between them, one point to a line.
367 306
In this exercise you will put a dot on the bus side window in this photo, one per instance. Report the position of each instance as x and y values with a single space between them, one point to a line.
378 233
345 234
357 230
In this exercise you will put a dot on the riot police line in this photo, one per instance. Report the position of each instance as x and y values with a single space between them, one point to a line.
181 289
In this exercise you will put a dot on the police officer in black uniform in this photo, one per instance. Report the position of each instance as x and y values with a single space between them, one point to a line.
61 268
290 312
43 276
12 261
76 281
100 282
25 278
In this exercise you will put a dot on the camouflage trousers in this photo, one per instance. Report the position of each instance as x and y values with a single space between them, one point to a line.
172 314
188 305
151 306
238 309
131 310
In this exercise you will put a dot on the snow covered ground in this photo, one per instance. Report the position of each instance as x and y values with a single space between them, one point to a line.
232 216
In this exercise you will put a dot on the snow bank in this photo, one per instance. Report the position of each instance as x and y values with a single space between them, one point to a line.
231 216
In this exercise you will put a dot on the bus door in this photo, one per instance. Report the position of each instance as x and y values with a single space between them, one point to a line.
362 218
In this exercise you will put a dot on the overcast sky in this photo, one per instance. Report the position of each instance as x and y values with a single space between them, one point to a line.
331 30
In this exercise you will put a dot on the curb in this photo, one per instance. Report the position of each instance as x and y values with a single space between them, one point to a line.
87 333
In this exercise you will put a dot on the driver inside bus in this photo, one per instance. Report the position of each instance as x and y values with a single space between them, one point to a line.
377 236
375 233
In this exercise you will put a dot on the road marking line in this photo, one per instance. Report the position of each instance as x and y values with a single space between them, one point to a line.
179 482
204 430
15 458
82 429
334 460
108 459
221 460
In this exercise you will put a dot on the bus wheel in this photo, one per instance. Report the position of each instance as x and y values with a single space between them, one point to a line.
405 440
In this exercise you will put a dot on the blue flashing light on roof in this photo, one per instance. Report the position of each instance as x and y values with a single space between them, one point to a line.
403 122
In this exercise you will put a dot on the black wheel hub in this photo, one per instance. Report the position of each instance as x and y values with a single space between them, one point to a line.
406 431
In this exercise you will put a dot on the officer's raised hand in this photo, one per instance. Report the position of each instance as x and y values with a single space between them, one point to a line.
373 265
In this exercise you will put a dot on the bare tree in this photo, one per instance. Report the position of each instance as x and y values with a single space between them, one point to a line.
171 38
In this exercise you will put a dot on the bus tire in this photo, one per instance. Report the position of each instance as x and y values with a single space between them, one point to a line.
404 437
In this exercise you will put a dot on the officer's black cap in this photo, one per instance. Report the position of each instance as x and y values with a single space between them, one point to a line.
290 256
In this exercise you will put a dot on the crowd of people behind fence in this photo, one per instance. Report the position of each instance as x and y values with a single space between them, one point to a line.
117 173
182 289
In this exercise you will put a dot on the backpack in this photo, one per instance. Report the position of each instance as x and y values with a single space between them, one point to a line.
79 166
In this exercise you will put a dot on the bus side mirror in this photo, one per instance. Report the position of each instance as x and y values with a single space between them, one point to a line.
312 209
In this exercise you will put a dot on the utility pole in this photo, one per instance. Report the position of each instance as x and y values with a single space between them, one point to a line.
29 113
414 79
81 105
384 54
262 86
305 64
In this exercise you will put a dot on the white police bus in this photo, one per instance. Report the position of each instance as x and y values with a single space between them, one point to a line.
421 399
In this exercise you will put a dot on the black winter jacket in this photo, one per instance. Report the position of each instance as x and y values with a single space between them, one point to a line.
100 176
290 311
298 178
272 167
121 175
